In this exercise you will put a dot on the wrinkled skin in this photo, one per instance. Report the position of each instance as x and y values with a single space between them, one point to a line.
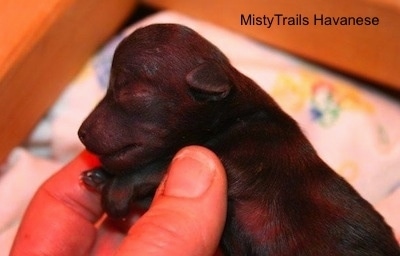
170 88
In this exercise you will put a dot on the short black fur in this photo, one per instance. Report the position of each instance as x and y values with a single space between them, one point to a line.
170 88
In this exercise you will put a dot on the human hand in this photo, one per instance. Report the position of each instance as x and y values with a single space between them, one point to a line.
186 217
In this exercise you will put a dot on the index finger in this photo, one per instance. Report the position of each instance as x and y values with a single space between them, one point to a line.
60 218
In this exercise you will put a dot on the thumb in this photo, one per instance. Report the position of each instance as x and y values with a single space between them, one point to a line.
188 213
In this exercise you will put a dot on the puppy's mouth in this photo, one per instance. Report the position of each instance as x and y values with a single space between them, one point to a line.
119 160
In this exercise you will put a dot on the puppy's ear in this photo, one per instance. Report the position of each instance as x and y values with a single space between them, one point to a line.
208 82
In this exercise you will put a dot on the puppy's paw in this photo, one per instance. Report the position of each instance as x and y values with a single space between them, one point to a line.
117 196
95 179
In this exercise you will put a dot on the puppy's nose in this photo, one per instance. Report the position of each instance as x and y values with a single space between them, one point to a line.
82 134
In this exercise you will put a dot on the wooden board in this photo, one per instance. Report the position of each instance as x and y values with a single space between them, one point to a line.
371 52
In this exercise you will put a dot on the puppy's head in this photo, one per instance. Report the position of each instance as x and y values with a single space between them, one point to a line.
168 88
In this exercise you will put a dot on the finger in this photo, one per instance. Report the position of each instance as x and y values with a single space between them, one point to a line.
187 215
60 218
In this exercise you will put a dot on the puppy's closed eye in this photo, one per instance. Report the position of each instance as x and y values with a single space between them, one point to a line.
137 91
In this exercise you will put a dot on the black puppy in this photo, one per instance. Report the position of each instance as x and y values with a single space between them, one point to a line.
170 88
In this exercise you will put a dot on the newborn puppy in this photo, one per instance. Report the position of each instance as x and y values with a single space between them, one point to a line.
170 88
